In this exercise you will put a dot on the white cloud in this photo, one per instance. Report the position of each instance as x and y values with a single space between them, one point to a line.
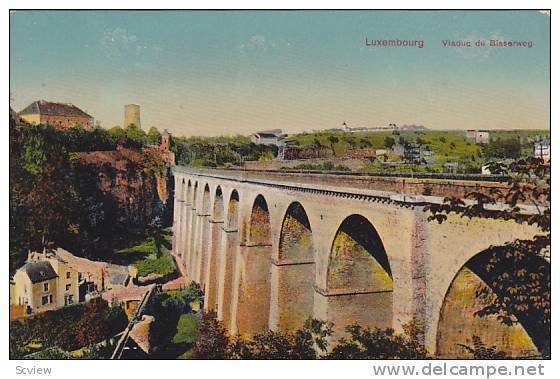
545 12
259 42
119 42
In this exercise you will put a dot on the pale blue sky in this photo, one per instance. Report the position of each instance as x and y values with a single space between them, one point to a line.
208 73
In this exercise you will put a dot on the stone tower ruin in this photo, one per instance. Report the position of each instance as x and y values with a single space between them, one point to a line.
132 115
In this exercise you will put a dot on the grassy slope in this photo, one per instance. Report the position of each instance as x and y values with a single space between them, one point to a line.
144 257
186 334
447 146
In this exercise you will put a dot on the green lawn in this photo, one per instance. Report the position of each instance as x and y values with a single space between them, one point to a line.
186 335
180 346
144 257
186 329
151 264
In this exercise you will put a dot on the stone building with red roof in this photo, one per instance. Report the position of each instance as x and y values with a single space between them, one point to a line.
59 115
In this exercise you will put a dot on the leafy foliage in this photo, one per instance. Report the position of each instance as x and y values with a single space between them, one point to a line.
67 328
516 273
93 327
213 339
325 166
194 293
219 151
56 199
503 148
154 136
311 341
480 351
304 343
366 343
43 201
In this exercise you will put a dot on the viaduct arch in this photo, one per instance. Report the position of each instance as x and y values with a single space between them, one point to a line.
271 252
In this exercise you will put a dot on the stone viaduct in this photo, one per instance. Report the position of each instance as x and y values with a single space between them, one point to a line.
272 249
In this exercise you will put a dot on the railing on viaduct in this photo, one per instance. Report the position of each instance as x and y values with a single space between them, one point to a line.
271 249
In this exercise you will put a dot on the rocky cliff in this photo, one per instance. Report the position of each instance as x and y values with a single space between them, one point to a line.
135 178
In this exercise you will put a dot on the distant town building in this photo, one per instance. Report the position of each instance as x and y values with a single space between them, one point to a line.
267 137
397 149
60 115
414 153
412 127
282 146
541 149
478 136
391 127
132 115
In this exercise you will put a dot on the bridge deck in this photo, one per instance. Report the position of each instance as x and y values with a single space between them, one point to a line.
417 189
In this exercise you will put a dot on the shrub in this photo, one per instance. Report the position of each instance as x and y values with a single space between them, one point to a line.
480 351
213 340
366 343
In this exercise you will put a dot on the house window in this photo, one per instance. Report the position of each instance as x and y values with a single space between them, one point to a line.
68 300
68 275
46 299
68 286
45 287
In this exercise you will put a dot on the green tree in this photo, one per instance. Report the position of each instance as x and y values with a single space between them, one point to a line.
156 231
43 200
117 134
266 156
93 327
194 293
213 339
135 137
364 143
503 148
366 343
153 136
333 140
389 142
116 319
317 144
480 351
304 343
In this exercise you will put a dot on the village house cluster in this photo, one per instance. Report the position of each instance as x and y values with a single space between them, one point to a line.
50 280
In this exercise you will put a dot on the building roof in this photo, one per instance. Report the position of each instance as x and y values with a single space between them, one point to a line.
39 271
273 132
53 109
140 333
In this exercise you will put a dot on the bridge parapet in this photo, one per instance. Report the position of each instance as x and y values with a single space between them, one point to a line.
411 191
